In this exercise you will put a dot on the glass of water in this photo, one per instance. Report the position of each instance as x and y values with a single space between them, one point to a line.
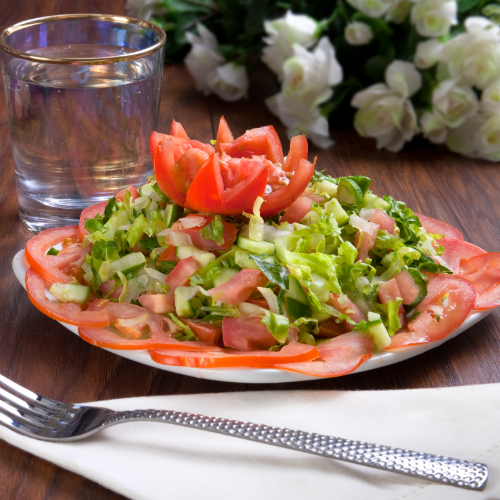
83 94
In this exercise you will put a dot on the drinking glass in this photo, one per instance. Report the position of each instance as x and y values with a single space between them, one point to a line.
83 94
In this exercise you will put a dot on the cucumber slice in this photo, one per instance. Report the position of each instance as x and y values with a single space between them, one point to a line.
349 193
419 280
173 213
256 247
243 260
202 257
327 187
295 291
225 275
381 337
70 292
127 264
296 309
146 190
183 296
333 207
373 201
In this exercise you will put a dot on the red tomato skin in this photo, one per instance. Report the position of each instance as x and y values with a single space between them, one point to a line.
457 251
339 356
246 334
291 353
389 291
263 141
160 303
483 271
435 226
205 331
239 287
297 210
407 287
50 267
224 135
365 242
298 151
330 328
177 130
383 220
281 199
70 313
169 254
425 328
179 276
230 233
90 213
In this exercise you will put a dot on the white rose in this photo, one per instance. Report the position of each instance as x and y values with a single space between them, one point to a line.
433 128
307 81
490 99
474 56
398 11
453 103
487 138
357 33
372 8
433 18
282 34
461 139
204 57
229 82
428 53
384 111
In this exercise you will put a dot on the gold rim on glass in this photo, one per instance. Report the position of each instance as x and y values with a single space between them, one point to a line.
83 60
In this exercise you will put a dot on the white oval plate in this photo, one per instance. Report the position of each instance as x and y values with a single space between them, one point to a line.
261 375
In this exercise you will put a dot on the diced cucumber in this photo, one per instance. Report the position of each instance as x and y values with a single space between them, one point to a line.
243 260
349 193
183 296
70 292
146 190
173 213
296 309
333 207
295 291
327 187
201 256
373 201
225 275
256 247
127 264
381 337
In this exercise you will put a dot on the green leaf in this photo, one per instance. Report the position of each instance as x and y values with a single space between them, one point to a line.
166 266
110 209
186 333
273 272
277 325
375 67
464 5
93 225
159 192
149 243
425 263
214 231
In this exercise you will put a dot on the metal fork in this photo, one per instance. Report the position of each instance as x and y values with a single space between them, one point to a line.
39 417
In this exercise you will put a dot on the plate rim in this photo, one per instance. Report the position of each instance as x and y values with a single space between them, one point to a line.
262 375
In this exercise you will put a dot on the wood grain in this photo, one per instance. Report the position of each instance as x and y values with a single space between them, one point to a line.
42 355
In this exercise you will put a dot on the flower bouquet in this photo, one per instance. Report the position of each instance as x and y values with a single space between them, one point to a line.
395 68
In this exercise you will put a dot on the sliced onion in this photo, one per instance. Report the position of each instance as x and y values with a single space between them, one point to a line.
247 309
193 221
366 213
271 299
361 224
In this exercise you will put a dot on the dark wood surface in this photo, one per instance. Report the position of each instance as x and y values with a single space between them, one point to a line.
40 354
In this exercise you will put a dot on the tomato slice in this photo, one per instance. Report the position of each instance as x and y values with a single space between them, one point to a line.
383 220
365 241
51 267
407 287
246 334
346 306
297 210
298 151
389 292
133 193
224 135
169 254
291 353
70 312
435 226
281 199
483 271
447 304
179 276
456 251
159 303
177 130
90 213
263 141
239 287
205 331
135 321
230 233
330 328
339 356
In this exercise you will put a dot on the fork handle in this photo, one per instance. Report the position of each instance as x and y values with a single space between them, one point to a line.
451 471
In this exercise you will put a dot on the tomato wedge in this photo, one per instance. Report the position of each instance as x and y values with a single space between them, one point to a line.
179 276
133 193
456 251
281 199
177 130
69 312
51 267
297 210
239 287
435 226
483 271
263 141
298 151
339 356
291 353
135 321
246 334
448 302
90 213
224 135
205 331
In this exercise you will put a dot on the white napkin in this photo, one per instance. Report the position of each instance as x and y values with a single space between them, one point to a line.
156 461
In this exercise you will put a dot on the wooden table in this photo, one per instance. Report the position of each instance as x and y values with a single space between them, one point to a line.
40 354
